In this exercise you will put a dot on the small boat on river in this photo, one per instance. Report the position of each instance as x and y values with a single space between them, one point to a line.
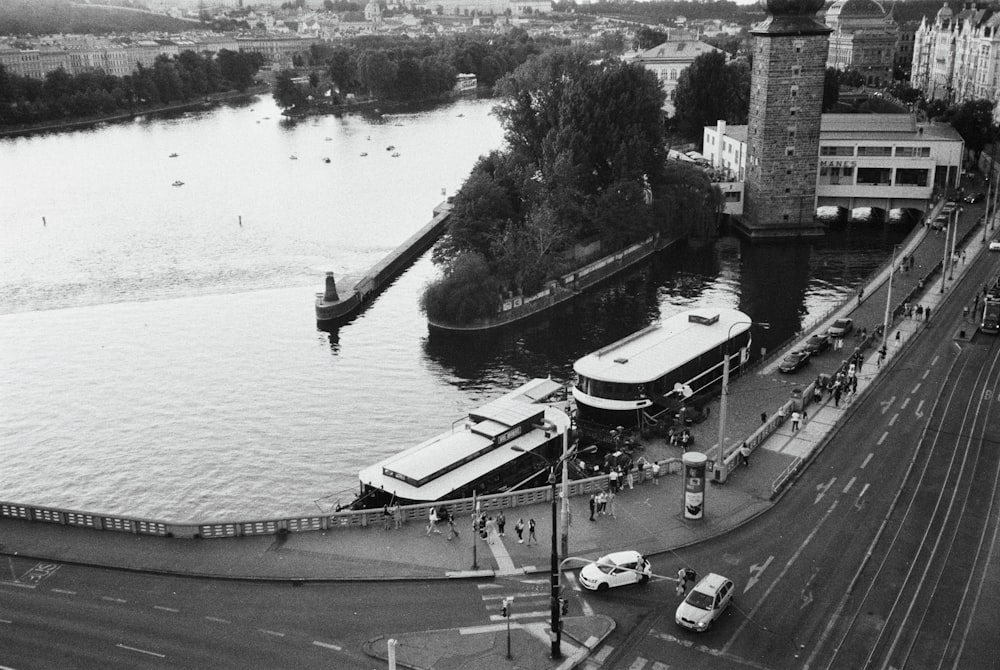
178 183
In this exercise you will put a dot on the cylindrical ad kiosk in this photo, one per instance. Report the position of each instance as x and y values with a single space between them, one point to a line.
694 484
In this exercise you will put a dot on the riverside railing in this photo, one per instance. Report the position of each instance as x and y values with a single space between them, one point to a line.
298 524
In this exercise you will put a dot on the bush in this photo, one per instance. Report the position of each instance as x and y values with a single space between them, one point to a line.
466 294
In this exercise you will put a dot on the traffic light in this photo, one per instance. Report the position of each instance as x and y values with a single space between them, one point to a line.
563 606
505 608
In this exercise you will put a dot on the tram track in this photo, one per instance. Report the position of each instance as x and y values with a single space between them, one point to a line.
921 575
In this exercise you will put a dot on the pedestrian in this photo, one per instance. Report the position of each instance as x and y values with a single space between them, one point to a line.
519 530
920 312
796 417
927 313
963 256
602 502
613 480
397 515
836 397
452 531
491 530
432 519
501 522
850 369
593 506
531 532
611 504
745 454
386 517
681 581
965 312
861 295
656 473
763 418
897 332
630 479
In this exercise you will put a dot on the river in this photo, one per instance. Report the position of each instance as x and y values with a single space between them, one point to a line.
158 344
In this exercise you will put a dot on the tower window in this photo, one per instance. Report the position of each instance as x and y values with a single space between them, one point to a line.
789 151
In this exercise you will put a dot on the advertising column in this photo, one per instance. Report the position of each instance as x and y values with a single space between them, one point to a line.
694 484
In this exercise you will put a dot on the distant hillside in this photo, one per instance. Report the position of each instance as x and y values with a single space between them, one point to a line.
39 17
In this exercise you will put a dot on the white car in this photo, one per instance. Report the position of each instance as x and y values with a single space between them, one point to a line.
994 245
617 569
705 603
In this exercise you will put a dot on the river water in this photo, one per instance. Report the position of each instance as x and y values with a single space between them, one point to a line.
158 347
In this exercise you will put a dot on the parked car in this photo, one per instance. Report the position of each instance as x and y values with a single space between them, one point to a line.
794 361
994 245
617 569
705 603
974 197
817 344
841 328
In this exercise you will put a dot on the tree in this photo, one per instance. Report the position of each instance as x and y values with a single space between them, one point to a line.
708 90
466 293
376 72
647 38
973 120
287 93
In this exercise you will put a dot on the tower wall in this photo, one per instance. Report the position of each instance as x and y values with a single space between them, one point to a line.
786 102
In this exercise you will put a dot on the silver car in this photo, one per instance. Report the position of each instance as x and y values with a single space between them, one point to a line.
705 603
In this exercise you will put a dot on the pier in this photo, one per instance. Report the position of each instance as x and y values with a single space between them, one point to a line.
334 307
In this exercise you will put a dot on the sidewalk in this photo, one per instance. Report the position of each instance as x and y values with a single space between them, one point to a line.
648 518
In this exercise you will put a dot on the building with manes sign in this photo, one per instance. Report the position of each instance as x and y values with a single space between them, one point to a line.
883 161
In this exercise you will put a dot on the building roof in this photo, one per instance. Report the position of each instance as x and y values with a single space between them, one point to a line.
738 133
680 49
883 126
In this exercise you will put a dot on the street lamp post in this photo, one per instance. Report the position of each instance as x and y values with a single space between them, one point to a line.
888 296
556 632
725 392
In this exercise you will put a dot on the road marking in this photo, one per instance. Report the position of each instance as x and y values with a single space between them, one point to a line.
849 485
863 490
892 421
934 361
906 401
638 664
882 439
522 594
69 593
141 651
113 600
327 645
823 488
916 388
165 609
217 619
751 616
867 458
271 632
918 411
5 621
484 587
756 571
521 615
886 404
926 372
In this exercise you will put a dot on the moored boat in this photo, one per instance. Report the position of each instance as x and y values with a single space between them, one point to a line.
660 366
493 449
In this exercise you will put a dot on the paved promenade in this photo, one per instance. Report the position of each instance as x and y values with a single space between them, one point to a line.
648 518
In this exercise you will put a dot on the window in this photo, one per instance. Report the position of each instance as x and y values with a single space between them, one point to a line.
874 176
912 177
874 151
836 151
789 151
913 152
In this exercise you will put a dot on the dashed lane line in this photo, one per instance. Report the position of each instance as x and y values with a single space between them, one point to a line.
113 600
165 609
271 632
141 651
850 484
327 645
882 439
217 619
892 421
867 459
64 591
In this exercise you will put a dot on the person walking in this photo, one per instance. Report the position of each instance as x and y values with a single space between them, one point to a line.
452 530
491 530
531 532
519 531
613 480
630 479
397 515
796 417
656 473
763 418
386 517
745 454
593 506
611 504
432 519
501 522
836 397
602 501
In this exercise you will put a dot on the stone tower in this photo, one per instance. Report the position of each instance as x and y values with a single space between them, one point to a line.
786 99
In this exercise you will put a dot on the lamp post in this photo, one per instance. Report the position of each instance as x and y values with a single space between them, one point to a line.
725 391
556 632
888 296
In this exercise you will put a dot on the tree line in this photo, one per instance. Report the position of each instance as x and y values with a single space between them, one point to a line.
403 69
61 96
585 161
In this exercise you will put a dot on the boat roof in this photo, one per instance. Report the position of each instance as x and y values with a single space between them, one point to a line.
473 448
657 349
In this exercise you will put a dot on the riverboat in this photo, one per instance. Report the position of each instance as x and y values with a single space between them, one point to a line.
503 445
658 367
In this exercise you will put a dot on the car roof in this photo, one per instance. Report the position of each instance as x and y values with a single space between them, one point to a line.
620 557
711 583
841 321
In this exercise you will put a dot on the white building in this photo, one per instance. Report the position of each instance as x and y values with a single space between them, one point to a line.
669 59
885 161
